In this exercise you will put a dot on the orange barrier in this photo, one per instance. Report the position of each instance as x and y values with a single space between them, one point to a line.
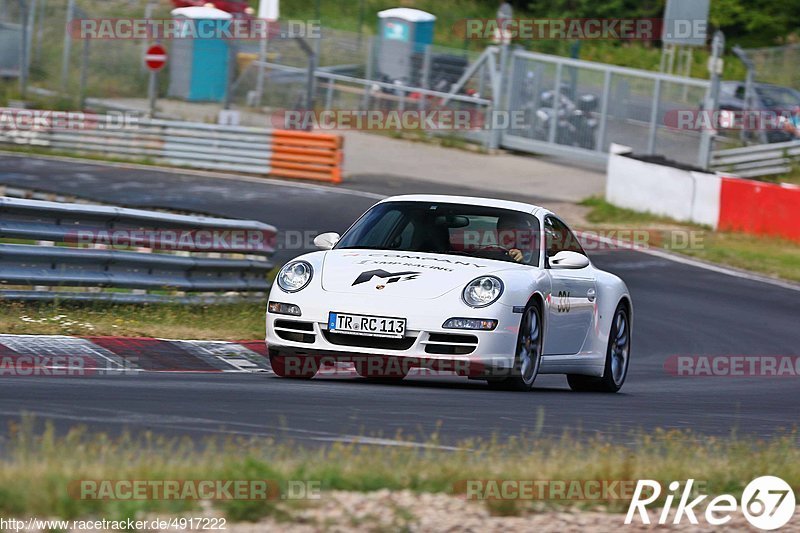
760 208
307 155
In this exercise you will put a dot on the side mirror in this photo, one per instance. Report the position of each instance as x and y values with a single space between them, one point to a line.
326 241
569 260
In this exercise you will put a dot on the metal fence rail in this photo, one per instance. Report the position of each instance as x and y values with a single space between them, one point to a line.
176 256
632 108
188 144
757 160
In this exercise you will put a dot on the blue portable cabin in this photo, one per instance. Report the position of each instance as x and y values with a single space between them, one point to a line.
402 33
199 66
407 25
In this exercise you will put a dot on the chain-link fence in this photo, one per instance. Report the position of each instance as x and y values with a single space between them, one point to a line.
579 108
357 74
71 67
777 65
552 105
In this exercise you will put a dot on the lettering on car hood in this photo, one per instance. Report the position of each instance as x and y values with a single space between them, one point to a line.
401 274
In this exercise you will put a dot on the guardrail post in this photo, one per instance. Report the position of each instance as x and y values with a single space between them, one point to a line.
369 72
501 101
24 49
651 138
84 74
551 136
601 136
67 44
712 99
426 76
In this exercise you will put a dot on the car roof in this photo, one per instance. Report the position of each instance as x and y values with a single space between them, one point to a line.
469 200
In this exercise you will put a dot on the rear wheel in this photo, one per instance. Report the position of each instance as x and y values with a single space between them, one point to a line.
617 358
528 357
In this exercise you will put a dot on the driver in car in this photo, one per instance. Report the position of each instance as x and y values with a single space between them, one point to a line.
515 234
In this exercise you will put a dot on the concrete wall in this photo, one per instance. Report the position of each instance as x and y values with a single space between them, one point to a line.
683 195
726 203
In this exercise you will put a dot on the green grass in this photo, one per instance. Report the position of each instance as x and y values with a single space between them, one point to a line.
36 472
236 321
767 255
603 212
792 177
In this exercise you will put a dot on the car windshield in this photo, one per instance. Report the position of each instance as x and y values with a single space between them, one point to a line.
778 96
444 228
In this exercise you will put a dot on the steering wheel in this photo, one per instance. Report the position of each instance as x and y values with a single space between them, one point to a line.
494 248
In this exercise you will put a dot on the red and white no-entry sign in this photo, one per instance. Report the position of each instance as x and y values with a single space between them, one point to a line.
156 57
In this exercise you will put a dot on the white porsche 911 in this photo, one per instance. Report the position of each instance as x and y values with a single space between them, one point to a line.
448 283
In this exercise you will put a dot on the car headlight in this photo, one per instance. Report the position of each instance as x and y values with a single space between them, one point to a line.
295 276
482 291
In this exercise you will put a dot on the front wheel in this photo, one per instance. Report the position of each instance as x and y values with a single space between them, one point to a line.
530 343
293 367
617 358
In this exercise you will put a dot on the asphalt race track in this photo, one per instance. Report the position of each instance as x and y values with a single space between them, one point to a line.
680 309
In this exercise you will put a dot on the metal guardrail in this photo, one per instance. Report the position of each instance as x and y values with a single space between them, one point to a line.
187 144
179 257
757 160
276 152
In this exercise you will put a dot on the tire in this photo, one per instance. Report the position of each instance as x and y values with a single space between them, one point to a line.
618 357
390 370
300 368
528 352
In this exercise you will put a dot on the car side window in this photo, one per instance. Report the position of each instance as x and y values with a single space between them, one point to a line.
559 238
740 92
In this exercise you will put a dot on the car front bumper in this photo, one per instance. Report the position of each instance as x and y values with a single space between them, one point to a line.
426 343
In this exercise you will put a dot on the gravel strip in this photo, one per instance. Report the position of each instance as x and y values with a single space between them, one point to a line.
407 511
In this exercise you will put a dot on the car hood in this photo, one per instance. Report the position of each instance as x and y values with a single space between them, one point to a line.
403 274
